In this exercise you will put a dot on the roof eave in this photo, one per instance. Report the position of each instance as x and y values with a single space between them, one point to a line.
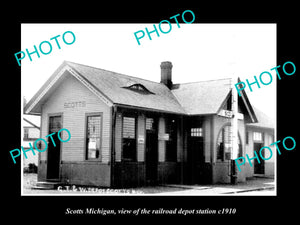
251 125
34 105
148 109
30 107
248 105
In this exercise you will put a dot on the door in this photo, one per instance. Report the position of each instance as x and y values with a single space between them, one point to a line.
259 168
195 160
151 151
53 162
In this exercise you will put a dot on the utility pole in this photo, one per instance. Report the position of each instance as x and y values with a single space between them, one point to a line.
234 127
233 64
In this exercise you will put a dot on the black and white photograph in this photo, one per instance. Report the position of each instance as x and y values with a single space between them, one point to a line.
171 112
162 117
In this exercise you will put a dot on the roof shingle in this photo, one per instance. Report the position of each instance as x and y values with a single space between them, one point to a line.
112 85
204 97
198 98
263 120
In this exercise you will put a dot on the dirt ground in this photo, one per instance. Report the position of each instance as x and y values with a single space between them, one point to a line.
253 186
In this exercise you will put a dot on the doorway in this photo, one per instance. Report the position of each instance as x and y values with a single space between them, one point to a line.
195 159
151 151
259 168
53 162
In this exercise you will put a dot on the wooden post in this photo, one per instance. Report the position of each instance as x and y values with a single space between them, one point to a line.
234 124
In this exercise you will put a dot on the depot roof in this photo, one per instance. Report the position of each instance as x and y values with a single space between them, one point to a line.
198 98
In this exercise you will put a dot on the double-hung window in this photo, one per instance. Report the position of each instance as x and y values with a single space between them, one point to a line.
93 136
129 138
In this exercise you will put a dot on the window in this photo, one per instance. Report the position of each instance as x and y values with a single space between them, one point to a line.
257 136
171 144
139 88
247 137
93 137
196 132
26 133
149 123
220 150
129 138
224 144
129 127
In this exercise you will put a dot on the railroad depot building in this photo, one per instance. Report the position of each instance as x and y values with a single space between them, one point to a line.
127 131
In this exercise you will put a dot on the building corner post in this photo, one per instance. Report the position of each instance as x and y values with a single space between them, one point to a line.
234 124
112 152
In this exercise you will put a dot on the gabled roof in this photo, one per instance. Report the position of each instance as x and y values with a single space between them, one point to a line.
112 85
109 86
204 97
263 120
198 98
31 121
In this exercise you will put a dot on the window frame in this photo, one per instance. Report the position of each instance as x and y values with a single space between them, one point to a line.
26 133
220 152
259 134
134 159
223 155
90 114
169 156
137 87
196 132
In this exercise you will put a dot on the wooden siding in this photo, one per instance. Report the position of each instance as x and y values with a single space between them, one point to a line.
161 143
179 140
74 119
168 173
268 138
118 138
141 134
207 138
129 174
86 173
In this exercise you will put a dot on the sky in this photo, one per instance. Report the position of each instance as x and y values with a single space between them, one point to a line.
197 51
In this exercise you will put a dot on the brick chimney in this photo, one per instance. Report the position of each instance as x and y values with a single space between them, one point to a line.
166 73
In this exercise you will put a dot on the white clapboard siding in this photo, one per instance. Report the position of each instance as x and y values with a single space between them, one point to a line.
161 143
74 119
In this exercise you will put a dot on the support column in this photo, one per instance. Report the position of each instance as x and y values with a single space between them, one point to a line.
234 124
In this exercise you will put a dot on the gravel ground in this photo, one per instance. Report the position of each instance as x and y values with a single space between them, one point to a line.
259 186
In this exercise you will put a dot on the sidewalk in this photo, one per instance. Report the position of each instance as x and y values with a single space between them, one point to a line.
251 185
